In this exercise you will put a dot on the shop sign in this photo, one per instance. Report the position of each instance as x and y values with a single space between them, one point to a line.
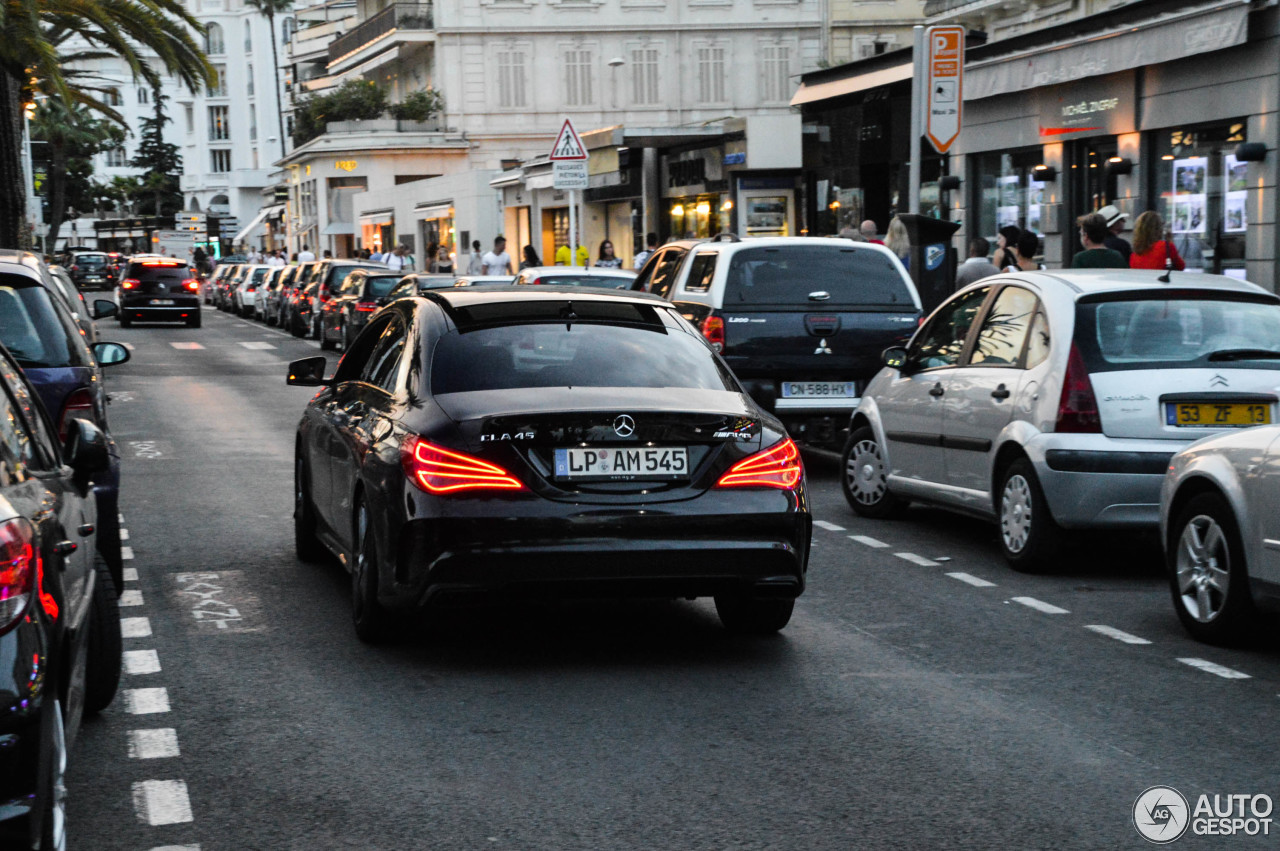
1100 107
692 171
346 165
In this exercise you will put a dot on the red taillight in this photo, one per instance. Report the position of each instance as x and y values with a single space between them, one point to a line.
75 268
1077 407
779 466
79 404
442 471
19 563
713 330
191 284
535 281
366 306
129 283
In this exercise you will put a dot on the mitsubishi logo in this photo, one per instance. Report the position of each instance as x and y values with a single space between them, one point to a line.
624 426
823 348
1217 381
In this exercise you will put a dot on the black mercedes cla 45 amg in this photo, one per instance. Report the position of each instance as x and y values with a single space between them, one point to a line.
563 442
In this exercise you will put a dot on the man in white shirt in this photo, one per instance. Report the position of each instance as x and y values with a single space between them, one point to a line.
306 255
396 259
497 261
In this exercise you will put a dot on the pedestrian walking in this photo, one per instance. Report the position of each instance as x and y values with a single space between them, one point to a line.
306 255
1115 226
897 241
976 266
651 245
395 259
531 259
607 259
497 261
475 266
565 258
1006 246
1027 248
1153 245
1096 255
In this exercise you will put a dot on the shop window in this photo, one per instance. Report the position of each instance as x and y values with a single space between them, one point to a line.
1008 193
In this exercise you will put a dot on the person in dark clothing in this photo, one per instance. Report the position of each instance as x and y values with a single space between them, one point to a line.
1006 242
1115 226
1096 255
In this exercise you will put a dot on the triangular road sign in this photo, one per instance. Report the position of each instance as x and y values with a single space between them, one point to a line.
568 144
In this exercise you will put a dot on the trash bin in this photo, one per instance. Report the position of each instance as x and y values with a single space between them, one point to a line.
933 258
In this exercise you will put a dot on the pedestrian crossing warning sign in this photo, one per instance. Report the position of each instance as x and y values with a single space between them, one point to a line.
568 144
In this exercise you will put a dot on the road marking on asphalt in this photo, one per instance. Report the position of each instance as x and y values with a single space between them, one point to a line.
130 574
146 701
218 601
124 534
153 744
188 347
915 559
135 627
141 662
132 597
176 848
970 579
162 802
1040 606
1118 635
869 542
257 345
1212 668
129 346
830 527
149 449
126 552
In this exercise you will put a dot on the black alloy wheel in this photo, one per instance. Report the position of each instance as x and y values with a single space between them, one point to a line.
53 824
372 622
305 542
102 676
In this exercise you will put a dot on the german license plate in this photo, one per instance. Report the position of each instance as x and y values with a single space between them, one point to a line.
1216 414
820 389
652 462
162 301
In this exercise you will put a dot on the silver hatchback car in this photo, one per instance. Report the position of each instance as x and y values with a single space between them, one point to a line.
1052 400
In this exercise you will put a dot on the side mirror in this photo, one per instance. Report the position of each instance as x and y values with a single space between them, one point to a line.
103 308
894 357
110 354
85 449
309 372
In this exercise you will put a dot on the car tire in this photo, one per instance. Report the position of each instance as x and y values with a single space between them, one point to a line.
1029 536
53 822
372 622
749 616
865 478
295 326
324 339
194 321
305 542
345 342
1214 604
102 674
125 321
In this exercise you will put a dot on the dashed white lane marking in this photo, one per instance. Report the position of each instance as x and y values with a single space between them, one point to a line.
130 574
1213 668
132 597
869 542
124 534
153 744
129 346
1118 635
146 701
1040 606
141 662
135 627
970 579
830 527
257 345
126 552
176 848
915 559
162 802
189 347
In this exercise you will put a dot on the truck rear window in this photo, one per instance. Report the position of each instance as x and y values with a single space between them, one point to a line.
792 275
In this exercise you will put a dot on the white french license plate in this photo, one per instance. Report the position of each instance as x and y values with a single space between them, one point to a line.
161 301
820 389
654 462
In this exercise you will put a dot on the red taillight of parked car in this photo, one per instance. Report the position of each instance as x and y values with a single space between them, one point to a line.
79 404
366 306
129 283
779 466
192 284
19 563
442 471
1077 406
713 330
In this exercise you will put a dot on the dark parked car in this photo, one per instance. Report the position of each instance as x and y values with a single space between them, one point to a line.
546 440
92 270
158 290
346 313
327 275
59 623
278 297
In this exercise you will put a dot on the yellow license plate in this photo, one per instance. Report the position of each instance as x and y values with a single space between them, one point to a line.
1217 414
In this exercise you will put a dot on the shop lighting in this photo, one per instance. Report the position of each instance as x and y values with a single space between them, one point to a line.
727 205
949 182
1167 157
677 210
1120 165
703 208
1046 173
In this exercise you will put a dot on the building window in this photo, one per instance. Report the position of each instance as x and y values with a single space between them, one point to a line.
577 77
112 97
220 161
189 112
144 95
117 158
253 123
1202 192
775 72
248 88
287 28
1009 193
644 80
219 125
214 42
218 88
711 74
511 79
248 38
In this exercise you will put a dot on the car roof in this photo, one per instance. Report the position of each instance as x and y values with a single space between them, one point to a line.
455 297
579 270
1097 281
28 262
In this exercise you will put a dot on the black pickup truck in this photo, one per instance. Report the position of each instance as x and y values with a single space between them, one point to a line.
802 322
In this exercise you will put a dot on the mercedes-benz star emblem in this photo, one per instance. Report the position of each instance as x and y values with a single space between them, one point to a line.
624 426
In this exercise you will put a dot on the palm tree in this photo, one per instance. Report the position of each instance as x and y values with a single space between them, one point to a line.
30 32
70 132
269 9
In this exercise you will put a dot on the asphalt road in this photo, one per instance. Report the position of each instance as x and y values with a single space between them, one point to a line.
924 695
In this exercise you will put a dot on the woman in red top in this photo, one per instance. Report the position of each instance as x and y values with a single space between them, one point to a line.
1151 246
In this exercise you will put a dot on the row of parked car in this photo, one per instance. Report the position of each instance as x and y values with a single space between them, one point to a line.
60 553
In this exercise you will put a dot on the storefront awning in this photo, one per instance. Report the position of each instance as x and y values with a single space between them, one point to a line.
339 229
434 211
540 181
810 92
256 222
377 217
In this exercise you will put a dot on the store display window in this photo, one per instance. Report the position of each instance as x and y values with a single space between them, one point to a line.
1008 193
1200 190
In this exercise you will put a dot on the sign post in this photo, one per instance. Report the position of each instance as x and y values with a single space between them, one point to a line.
937 94
569 171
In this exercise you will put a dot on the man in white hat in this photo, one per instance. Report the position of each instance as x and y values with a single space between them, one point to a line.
1115 225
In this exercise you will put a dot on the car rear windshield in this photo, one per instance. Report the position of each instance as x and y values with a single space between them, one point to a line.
30 327
91 261
379 285
338 271
578 354
606 281
797 276
1170 329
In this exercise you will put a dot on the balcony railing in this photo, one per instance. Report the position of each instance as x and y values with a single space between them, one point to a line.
404 16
